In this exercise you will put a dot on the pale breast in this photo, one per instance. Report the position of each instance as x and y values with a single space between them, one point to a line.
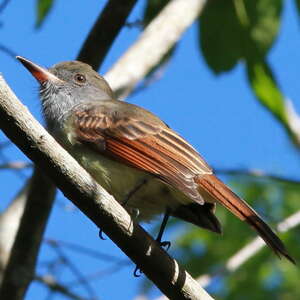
144 194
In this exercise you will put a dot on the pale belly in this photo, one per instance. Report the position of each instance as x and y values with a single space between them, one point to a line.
145 195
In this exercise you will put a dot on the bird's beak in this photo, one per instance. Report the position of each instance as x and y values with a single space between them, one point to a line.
42 75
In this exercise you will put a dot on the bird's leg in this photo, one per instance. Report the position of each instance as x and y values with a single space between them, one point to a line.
165 244
137 272
133 191
135 212
101 235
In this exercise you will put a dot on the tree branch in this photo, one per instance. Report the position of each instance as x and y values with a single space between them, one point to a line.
155 41
76 184
29 235
55 286
108 25
9 224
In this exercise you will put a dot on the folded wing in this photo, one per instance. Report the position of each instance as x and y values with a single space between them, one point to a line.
146 144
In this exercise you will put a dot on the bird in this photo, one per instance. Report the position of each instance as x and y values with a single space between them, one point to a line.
148 167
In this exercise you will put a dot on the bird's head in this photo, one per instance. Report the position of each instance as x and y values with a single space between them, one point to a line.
67 84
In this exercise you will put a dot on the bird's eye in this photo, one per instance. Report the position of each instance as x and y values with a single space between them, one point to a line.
80 78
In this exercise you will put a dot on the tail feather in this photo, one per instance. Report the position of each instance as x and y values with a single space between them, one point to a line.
199 215
222 194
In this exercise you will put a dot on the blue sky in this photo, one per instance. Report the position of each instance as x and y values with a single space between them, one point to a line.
218 115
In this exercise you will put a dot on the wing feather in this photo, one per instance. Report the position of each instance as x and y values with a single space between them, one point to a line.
143 143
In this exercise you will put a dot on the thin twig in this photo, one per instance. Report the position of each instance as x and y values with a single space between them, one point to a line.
8 51
55 286
18 172
105 272
86 251
135 24
73 268
117 263
16 165
3 5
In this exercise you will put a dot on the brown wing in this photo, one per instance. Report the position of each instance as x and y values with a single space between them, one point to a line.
139 139
136 137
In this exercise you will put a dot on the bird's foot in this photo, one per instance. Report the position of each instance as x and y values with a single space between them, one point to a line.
137 272
101 235
134 213
164 245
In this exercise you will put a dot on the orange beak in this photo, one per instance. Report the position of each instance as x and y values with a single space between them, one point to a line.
40 74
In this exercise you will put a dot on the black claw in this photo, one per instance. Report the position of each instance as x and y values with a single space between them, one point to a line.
165 245
135 213
137 272
101 235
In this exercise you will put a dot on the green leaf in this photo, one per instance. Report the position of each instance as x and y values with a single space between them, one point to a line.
43 8
266 90
264 22
298 6
220 35
234 29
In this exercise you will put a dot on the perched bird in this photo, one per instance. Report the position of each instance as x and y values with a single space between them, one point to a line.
135 156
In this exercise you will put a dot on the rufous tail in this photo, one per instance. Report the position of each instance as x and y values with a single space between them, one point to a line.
222 194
